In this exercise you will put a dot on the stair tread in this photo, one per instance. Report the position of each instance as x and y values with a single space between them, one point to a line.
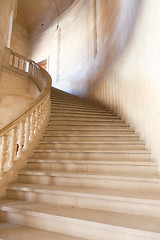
9 231
96 142
78 109
120 195
94 129
124 177
86 119
79 112
70 124
96 151
107 138
91 135
95 218
107 162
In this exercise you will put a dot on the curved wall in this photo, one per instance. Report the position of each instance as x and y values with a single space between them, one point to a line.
108 28
132 87
6 7
86 38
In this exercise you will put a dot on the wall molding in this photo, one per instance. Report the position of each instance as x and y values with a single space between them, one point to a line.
21 30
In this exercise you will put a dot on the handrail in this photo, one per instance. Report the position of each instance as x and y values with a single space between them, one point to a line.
16 137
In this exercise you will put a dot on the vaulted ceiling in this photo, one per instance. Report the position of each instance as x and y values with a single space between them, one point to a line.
37 13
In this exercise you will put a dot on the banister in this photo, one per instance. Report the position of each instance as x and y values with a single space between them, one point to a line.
16 136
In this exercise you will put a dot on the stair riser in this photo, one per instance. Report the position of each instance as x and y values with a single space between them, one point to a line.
93 202
78 109
74 99
75 228
77 104
92 156
91 139
88 146
84 120
74 105
54 112
82 116
101 168
93 128
90 133
113 184
71 102
87 124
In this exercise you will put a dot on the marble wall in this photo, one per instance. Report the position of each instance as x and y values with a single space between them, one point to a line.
67 43
132 85
19 41
6 8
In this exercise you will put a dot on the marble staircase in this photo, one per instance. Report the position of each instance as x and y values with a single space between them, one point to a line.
91 177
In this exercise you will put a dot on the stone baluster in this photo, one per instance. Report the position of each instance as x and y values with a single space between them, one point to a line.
13 60
18 66
42 113
3 155
46 109
32 126
12 148
48 105
36 120
24 66
27 132
20 139
40 116
31 69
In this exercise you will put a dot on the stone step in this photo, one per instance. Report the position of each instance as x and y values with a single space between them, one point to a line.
115 167
77 109
80 138
75 102
72 98
9 231
67 102
55 112
84 120
78 106
131 155
91 127
93 180
100 199
83 109
82 116
91 145
90 132
74 221
87 123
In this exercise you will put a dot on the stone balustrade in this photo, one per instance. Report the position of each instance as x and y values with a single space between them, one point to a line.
17 136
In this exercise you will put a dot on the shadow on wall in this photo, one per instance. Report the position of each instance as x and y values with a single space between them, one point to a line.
120 33
11 105
132 85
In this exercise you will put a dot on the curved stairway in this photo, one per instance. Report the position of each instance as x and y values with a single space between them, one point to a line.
89 178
